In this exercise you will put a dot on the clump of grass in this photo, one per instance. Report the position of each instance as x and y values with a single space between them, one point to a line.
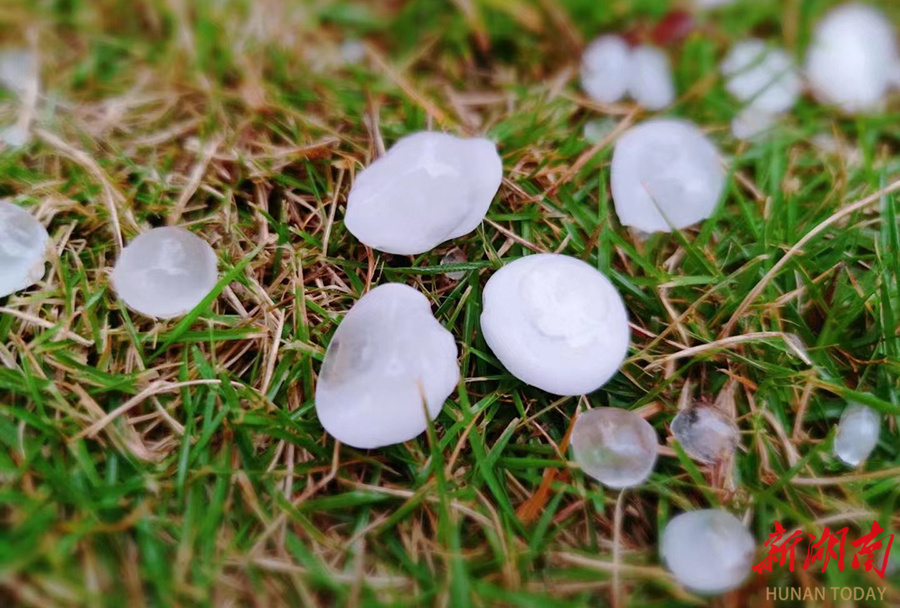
181 463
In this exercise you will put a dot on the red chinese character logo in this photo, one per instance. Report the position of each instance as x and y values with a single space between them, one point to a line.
823 551
868 545
779 552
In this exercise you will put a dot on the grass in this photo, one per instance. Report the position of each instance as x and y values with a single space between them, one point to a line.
182 464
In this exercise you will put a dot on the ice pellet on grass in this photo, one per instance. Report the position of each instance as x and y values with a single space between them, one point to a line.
451 258
705 433
857 434
427 189
708 551
666 174
606 69
853 58
556 323
763 78
614 446
23 249
17 70
651 84
388 361
165 272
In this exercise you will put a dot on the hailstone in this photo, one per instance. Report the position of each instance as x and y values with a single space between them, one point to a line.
451 258
651 84
857 434
165 272
709 551
705 433
427 189
606 69
556 323
614 446
23 249
853 58
666 174
388 361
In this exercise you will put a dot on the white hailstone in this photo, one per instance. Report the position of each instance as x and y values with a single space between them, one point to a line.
853 58
556 323
606 69
651 84
765 79
451 258
388 360
705 433
614 446
23 249
857 434
598 129
165 272
427 189
709 551
666 174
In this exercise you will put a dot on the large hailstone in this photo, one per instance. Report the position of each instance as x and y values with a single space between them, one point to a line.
427 189
23 249
853 58
765 79
556 323
665 175
709 551
388 355
614 446
165 272
857 434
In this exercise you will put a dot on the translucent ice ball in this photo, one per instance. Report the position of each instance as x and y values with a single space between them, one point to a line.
23 249
705 433
857 434
614 446
389 359
665 175
165 272
853 58
556 323
427 189
709 551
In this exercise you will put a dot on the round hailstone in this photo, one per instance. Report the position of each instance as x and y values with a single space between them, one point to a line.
651 84
427 189
614 446
23 249
853 57
606 69
665 175
705 433
386 357
165 272
857 434
555 323
709 551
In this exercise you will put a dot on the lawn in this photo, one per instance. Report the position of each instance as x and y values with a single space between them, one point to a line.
181 463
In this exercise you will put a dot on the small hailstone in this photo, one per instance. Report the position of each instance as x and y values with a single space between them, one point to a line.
353 51
556 323
666 174
705 433
709 551
17 69
23 249
427 189
165 272
597 129
388 355
451 258
853 58
614 446
606 69
857 434
651 84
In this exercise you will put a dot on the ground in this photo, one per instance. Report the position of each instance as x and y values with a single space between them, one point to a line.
181 463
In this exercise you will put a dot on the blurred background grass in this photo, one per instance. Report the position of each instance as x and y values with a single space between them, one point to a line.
212 482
